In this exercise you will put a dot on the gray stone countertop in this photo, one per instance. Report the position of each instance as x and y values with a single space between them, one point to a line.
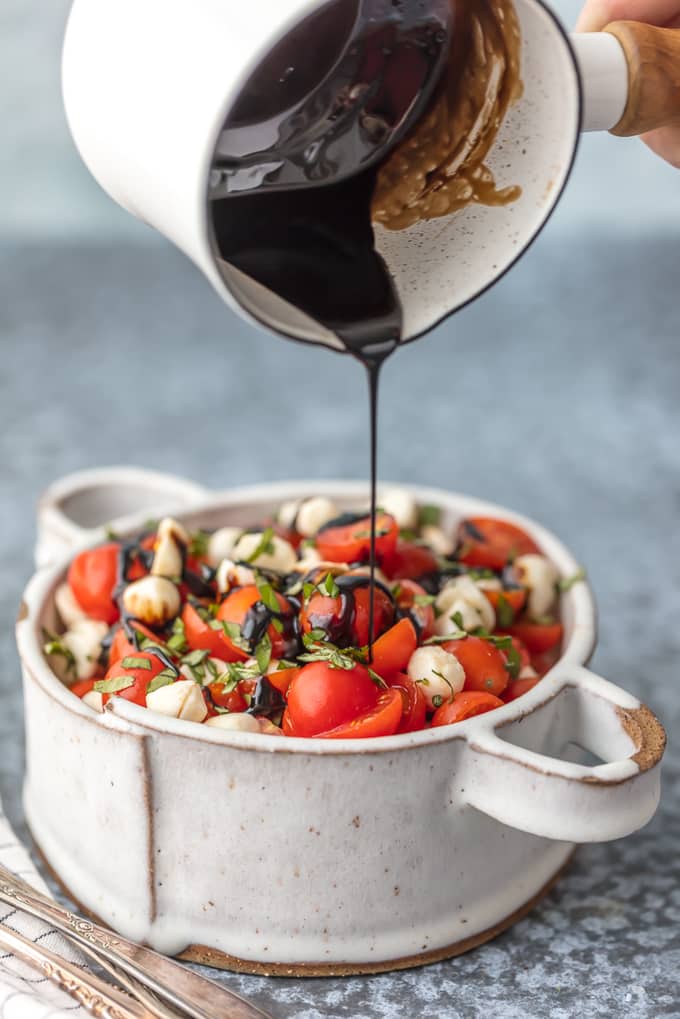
558 395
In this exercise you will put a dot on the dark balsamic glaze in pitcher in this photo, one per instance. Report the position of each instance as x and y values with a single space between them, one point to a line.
291 198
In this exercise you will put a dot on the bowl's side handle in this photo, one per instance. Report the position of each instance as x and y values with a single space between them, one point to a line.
77 508
557 799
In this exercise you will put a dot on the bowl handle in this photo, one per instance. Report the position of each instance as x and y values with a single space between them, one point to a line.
555 798
77 508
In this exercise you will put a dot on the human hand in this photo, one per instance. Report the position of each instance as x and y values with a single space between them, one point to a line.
665 141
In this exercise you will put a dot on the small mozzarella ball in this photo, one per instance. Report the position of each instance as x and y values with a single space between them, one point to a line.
540 576
230 574
236 722
462 595
267 727
440 543
313 514
288 512
182 699
251 663
401 505
84 641
93 700
167 560
171 528
153 600
365 571
281 557
221 544
309 561
68 608
440 674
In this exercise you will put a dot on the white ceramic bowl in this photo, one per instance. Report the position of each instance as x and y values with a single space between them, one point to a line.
299 856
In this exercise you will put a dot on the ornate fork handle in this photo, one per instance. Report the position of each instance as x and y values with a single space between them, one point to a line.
177 985
96 996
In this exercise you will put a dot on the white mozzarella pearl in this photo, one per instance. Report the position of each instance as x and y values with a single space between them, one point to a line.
281 556
401 505
94 700
462 595
221 544
171 528
365 571
440 674
288 512
84 641
236 722
167 560
153 600
68 608
182 699
440 543
540 575
313 514
230 574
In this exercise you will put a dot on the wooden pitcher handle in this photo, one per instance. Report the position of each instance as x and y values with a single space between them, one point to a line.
653 57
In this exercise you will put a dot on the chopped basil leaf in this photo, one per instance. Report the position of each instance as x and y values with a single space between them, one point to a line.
396 591
321 650
308 590
114 685
378 680
264 547
130 662
263 654
285 663
566 583
504 611
437 701
233 632
443 678
195 658
457 618
315 635
443 638
268 597
177 642
424 599
110 533
544 620
429 515
54 646
164 678
278 625
406 534
150 524
329 587
198 543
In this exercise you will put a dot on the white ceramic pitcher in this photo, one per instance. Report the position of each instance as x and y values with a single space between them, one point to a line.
148 86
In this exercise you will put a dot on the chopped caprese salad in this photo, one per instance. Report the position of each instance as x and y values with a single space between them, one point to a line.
266 630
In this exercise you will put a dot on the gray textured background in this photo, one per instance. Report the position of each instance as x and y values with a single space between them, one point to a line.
558 395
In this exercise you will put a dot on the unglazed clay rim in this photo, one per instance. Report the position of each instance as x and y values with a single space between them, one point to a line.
577 652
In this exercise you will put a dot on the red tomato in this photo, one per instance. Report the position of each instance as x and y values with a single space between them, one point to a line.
518 687
201 637
383 614
121 646
490 543
414 703
82 687
92 577
538 637
520 648
235 608
409 560
323 612
321 698
393 649
233 700
483 663
544 662
287 725
510 601
465 705
141 677
351 543
406 593
381 720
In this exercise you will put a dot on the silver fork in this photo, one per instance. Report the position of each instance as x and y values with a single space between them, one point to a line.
177 986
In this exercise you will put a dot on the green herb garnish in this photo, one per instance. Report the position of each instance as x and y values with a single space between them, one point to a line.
131 662
429 516
264 547
377 680
566 583
114 685
163 678
55 646
504 611
198 543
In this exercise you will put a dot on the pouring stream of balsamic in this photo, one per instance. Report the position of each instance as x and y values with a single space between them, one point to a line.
287 221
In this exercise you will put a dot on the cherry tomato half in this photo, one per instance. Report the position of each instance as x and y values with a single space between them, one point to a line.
121 646
408 561
393 649
351 543
321 698
538 637
490 543
235 608
507 603
140 675
518 687
201 637
415 703
483 663
383 614
465 705
381 720
92 578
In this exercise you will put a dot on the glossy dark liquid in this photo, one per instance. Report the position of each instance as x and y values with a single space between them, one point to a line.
284 209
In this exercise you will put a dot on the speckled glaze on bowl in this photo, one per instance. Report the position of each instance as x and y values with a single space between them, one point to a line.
305 857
